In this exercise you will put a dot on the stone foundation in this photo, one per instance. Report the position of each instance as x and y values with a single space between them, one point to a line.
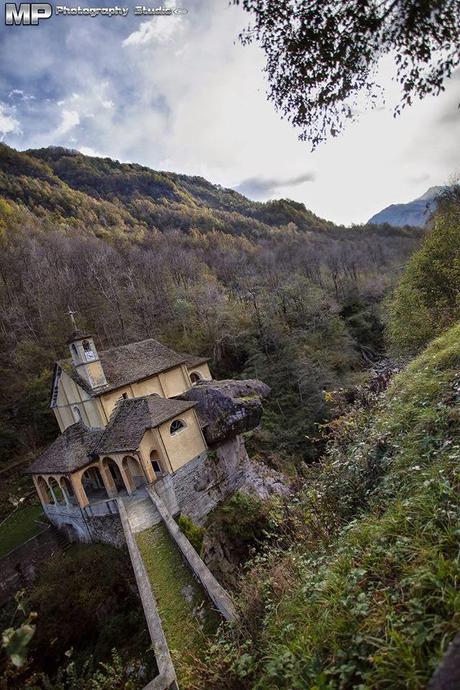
195 490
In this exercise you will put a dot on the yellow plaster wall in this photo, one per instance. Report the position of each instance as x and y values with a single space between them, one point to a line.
147 387
69 395
202 370
185 444
175 381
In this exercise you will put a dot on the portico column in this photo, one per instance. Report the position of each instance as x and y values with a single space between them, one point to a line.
41 494
107 478
80 493
50 487
65 494
130 488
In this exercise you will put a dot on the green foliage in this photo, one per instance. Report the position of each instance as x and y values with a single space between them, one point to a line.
15 641
86 599
427 298
194 533
365 593
320 65
242 520
19 527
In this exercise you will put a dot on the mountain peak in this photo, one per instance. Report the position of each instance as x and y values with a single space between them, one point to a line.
414 213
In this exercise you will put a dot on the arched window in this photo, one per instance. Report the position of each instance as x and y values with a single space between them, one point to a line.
74 351
195 377
176 426
76 413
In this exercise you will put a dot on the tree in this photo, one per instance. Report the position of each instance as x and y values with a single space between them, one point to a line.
426 301
322 54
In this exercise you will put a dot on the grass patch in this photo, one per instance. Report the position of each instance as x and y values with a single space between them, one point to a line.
19 527
187 616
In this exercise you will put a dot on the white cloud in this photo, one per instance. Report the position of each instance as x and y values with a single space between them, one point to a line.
69 120
88 151
198 105
8 123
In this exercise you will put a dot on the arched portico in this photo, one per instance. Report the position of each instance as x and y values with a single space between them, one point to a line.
56 491
134 472
93 484
43 490
67 490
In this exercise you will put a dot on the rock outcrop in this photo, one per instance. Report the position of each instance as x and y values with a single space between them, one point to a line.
227 408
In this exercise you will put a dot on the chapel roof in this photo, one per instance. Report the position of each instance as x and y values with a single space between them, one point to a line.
129 363
71 450
79 445
133 416
194 360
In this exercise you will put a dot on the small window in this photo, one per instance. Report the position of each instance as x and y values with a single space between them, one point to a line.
77 413
176 426
125 396
156 466
86 346
195 377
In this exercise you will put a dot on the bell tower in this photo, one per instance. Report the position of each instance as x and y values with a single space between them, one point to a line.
85 357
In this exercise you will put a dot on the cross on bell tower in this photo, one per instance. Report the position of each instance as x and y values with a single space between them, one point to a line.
72 317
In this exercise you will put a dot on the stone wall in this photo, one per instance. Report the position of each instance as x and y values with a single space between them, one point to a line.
19 568
209 478
107 529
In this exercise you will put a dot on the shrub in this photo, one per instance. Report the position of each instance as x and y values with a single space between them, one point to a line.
193 532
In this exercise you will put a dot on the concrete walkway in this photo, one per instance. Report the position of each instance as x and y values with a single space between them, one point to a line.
214 590
166 680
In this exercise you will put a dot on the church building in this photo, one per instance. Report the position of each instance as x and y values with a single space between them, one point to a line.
122 426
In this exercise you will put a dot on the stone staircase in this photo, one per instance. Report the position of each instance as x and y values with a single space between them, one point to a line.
141 512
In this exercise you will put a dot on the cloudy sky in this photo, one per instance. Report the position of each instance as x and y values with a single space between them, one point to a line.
180 93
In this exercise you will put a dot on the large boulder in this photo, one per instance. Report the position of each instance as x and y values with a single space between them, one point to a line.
227 408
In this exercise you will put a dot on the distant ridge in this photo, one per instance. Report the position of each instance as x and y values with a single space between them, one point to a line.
415 213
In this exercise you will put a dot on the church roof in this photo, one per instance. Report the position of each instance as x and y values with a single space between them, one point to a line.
129 363
194 361
79 445
133 416
71 450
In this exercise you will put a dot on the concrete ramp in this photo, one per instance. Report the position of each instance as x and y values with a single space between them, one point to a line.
141 512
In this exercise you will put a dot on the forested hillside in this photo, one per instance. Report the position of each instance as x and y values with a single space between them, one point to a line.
266 290
355 583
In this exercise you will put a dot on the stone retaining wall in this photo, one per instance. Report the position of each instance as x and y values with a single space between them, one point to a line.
203 483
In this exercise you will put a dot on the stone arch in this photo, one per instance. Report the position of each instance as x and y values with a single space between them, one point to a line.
157 464
134 471
195 377
44 490
93 484
56 490
115 475
67 490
